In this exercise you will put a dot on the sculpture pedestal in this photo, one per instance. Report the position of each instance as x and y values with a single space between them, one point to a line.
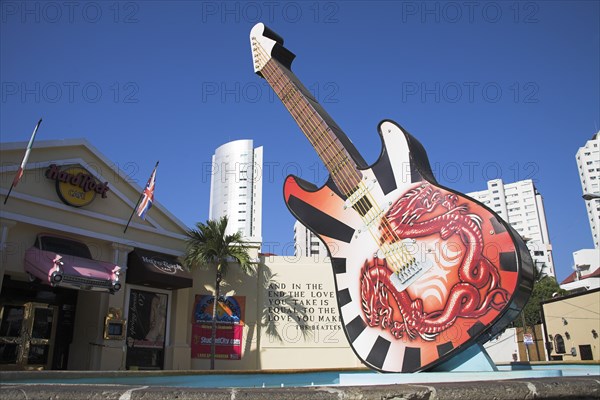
472 359
472 364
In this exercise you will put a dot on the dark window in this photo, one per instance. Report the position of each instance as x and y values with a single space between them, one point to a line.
559 344
63 246
585 351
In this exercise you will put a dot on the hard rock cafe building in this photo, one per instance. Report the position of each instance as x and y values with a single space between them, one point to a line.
117 300
77 293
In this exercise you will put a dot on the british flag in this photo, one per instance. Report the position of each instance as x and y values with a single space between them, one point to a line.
147 195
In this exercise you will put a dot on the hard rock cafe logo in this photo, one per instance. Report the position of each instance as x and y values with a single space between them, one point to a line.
75 186
163 265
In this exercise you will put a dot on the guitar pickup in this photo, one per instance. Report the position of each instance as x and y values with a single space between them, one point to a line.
358 200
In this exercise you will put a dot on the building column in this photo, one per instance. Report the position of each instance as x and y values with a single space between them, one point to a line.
178 350
120 253
5 225
114 351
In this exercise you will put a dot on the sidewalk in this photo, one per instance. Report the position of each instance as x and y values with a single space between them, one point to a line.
543 388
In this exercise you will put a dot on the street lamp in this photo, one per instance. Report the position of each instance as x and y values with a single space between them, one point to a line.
591 196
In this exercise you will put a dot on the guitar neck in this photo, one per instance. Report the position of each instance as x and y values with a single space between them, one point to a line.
331 144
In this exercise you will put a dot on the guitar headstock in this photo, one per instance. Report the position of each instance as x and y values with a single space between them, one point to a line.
265 45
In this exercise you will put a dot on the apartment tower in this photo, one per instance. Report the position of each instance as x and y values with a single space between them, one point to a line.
522 206
236 188
588 164
306 243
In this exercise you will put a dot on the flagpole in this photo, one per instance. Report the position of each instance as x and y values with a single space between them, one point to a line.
24 162
138 202
134 210
8 194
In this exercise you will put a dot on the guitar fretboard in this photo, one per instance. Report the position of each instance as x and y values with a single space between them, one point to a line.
328 140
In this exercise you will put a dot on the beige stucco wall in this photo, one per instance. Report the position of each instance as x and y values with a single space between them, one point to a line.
294 282
319 341
577 316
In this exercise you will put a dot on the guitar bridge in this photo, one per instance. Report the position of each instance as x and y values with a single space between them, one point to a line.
411 270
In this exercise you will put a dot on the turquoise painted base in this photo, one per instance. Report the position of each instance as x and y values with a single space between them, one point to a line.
472 364
473 359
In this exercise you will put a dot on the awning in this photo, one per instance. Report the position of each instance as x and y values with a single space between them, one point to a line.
157 270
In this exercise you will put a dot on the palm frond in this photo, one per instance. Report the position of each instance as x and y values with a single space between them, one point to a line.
208 244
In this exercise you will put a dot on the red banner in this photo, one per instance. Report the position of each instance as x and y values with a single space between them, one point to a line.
228 341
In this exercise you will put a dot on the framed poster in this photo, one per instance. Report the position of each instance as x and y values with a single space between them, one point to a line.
146 329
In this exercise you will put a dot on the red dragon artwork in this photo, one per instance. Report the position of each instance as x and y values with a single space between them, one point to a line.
476 273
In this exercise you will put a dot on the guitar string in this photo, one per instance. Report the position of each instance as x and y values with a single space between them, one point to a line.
339 172
348 179
287 98
390 254
292 99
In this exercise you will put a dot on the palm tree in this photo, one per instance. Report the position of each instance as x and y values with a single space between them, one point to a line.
209 245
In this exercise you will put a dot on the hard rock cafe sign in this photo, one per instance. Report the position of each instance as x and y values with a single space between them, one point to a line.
163 265
75 186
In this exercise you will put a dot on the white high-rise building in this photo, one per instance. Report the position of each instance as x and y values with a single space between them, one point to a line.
236 188
588 163
522 206
306 243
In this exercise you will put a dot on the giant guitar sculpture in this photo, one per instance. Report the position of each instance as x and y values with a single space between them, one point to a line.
422 272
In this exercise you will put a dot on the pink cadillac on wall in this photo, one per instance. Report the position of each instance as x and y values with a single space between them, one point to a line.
65 262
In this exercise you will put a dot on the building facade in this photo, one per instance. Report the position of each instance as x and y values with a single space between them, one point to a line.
236 188
307 244
521 205
66 219
572 326
588 165
156 319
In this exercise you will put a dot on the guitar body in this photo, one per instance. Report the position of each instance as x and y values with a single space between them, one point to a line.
422 272
448 308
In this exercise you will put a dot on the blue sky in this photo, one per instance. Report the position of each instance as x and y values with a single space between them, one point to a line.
492 89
